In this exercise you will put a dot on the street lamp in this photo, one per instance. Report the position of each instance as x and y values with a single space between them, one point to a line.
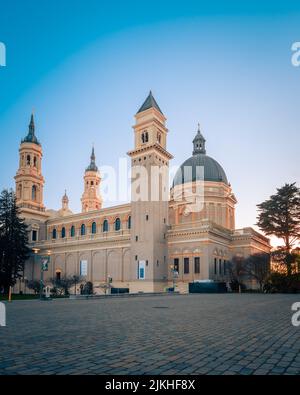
46 268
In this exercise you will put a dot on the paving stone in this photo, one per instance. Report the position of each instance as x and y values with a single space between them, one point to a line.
197 334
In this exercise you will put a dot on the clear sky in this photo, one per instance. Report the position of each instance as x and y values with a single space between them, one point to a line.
86 67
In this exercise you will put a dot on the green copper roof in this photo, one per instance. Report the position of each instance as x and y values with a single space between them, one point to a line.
31 137
150 102
187 172
92 166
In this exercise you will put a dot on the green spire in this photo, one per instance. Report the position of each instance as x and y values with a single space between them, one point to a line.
92 166
31 138
150 102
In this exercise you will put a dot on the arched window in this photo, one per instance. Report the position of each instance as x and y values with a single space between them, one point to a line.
159 138
28 160
105 226
146 137
54 234
129 222
143 137
34 161
94 227
82 230
33 192
72 231
63 233
117 224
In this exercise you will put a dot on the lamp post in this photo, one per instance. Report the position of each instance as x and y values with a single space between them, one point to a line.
48 262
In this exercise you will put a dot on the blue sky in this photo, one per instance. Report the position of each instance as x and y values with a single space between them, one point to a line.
86 67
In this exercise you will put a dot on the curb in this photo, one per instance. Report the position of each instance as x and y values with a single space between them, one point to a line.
133 295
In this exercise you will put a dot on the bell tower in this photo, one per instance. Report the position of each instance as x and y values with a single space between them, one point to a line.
29 179
149 198
91 199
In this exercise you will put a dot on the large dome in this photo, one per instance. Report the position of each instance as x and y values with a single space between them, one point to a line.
213 171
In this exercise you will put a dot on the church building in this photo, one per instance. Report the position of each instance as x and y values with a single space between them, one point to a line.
185 234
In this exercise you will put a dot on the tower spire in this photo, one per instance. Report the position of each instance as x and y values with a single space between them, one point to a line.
31 125
31 137
91 198
29 178
150 102
92 166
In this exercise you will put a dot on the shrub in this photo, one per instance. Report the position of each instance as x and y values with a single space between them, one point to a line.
283 283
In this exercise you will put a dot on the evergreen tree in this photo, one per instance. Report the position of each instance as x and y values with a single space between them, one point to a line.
280 216
13 241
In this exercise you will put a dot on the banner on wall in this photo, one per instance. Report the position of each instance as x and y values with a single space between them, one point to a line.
141 270
45 263
83 268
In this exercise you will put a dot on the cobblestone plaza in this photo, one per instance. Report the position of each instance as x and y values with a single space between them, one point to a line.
177 334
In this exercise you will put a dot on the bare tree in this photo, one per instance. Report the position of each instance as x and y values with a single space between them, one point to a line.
257 266
235 270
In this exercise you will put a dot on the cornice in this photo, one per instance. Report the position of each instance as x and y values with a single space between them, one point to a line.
154 146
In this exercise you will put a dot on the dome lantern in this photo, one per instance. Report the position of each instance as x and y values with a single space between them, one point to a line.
199 143
187 172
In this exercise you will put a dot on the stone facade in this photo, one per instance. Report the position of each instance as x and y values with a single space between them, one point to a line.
137 245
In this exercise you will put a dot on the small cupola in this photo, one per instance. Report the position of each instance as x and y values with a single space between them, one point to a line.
199 143
65 201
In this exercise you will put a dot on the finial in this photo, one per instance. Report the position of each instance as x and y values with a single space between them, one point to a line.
93 153
198 127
